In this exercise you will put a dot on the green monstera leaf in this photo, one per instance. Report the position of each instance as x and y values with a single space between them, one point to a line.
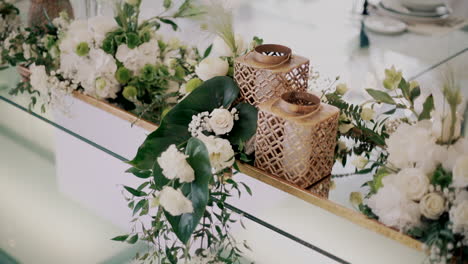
214 93
197 191
246 126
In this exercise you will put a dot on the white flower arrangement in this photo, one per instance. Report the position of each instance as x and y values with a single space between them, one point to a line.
220 121
421 188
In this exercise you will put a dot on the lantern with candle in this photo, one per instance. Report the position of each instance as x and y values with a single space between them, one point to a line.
296 138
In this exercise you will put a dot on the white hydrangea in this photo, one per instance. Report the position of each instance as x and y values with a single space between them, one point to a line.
174 201
39 79
459 217
410 145
99 26
393 208
135 59
96 74
220 152
174 165
460 172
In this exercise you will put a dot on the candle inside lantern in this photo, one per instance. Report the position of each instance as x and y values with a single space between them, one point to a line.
269 71
296 138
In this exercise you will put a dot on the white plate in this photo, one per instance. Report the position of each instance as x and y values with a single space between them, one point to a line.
384 25
422 5
410 18
438 12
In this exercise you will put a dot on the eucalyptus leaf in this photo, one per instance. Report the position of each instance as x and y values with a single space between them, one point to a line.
169 22
138 206
134 192
214 93
207 51
120 238
197 191
381 96
139 173
133 239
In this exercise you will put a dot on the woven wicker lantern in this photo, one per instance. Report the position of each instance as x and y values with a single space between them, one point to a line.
269 71
296 138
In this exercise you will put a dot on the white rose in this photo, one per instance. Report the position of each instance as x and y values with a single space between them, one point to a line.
367 114
394 209
221 121
39 79
100 26
442 125
459 218
341 88
174 201
360 162
220 152
413 182
432 205
409 145
460 172
211 67
344 128
220 48
174 165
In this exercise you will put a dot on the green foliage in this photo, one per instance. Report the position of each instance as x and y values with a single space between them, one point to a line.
246 126
214 93
367 211
441 177
428 106
381 96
